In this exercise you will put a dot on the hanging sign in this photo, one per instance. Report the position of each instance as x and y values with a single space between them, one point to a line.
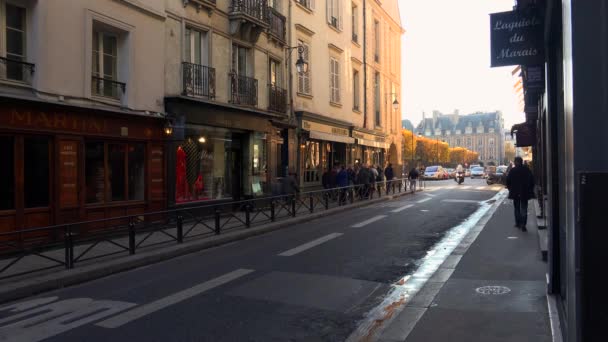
517 38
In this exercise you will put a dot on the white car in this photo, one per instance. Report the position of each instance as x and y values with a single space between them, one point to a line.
478 172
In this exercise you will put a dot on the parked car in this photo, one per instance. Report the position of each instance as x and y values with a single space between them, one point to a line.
467 172
477 172
498 177
434 172
451 172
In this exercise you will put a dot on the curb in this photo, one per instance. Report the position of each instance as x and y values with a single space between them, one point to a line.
32 286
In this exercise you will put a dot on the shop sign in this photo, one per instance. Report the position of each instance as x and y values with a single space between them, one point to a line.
366 136
517 38
315 126
534 79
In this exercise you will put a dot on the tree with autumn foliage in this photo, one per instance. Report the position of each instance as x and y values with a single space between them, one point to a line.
409 142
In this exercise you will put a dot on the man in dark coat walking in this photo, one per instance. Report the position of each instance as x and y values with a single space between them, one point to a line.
520 183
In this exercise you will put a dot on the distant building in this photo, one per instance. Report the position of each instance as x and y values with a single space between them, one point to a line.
407 124
479 132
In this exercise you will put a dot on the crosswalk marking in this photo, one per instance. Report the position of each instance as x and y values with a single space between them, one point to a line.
173 299
366 222
480 188
466 187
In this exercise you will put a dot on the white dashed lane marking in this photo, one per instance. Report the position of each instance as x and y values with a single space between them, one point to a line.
310 244
423 200
366 222
402 208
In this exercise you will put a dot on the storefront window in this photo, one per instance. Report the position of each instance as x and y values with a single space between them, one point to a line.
7 173
207 165
136 171
259 164
116 172
36 172
312 161
94 172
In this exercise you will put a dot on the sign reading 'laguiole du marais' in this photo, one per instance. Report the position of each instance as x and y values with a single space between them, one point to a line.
517 38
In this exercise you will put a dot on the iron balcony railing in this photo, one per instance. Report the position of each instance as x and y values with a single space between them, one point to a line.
277 98
16 70
198 80
243 90
107 87
67 245
256 9
277 24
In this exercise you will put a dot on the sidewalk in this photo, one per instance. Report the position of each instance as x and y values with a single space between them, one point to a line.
491 288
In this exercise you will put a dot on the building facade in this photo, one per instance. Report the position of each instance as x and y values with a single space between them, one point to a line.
479 132
81 123
344 102
226 96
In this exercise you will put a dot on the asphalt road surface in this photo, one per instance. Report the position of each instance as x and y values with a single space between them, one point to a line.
311 282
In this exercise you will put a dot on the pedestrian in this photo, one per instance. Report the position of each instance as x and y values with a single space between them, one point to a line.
379 178
520 183
389 174
413 177
325 179
363 180
373 178
342 183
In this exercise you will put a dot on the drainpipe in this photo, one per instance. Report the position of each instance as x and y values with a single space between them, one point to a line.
364 64
292 113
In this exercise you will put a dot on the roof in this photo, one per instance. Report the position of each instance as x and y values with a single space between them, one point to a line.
453 122
407 124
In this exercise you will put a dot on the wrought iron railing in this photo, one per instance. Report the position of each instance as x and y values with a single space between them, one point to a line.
16 70
256 9
107 87
198 80
243 90
67 245
277 23
277 98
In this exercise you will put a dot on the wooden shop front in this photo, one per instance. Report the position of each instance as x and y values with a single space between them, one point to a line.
65 164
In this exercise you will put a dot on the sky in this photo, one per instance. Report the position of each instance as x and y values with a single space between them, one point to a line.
446 60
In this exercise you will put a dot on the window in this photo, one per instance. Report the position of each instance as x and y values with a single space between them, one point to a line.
7 173
15 41
458 142
377 41
36 172
355 23
274 4
114 172
334 80
334 13
195 46
304 78
310 4
105 64
240 60
377 121
356 99
274 69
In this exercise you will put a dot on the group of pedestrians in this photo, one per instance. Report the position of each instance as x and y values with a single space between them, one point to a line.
365 178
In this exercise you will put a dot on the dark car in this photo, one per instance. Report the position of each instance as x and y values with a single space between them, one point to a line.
498 177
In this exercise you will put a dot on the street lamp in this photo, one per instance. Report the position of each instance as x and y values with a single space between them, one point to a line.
301 64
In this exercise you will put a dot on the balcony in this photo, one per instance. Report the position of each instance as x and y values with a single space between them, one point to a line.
198 80
243 90
15 70
106 87
248 18
277 99
277 25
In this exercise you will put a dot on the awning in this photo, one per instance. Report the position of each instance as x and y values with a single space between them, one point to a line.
372 143
331 137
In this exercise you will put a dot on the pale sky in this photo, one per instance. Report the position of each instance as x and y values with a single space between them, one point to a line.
446 60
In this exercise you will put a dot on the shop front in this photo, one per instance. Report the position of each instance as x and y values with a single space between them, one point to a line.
219 154
371 147
66 164
324 143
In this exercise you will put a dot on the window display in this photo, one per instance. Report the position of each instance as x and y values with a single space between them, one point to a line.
7 173
94 172
36 172
201 170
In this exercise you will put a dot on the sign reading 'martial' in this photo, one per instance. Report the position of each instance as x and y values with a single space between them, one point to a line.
517 38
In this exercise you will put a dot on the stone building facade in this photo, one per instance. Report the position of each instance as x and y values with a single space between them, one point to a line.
479 132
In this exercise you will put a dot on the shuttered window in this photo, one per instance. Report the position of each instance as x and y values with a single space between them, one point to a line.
334 80
334 13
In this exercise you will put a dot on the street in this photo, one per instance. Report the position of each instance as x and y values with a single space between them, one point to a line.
314 281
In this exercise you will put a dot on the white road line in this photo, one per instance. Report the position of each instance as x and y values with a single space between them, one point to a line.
451 187
496 188
146 309
310 244
465 187
459 201
430 195
423 200
402 208
480 188
366 222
